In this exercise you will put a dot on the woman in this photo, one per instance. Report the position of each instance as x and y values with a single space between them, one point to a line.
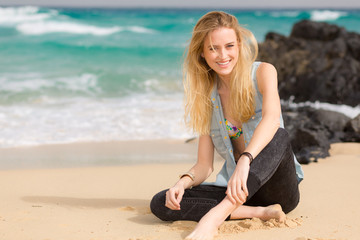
233 103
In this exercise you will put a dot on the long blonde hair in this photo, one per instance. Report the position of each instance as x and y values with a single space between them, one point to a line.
199 79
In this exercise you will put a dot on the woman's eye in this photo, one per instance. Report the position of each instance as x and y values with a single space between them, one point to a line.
231 45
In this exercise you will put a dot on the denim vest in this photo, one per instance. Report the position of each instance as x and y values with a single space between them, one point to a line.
221 139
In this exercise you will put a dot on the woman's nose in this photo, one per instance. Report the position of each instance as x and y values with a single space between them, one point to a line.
222 53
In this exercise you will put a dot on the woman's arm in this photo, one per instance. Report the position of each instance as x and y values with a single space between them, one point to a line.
201 170
204 165
271 109
267 82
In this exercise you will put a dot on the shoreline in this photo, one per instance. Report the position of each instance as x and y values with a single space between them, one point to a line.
92 154
26 143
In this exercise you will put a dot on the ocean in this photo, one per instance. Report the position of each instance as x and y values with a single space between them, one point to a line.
91 75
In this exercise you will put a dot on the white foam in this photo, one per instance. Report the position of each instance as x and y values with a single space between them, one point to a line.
146 116
31 21
86 82
33 82
349 111
49 120
45 27
326 15
290 14
155 85
14 15
139 29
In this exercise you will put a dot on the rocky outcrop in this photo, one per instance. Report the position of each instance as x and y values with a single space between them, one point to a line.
352 130
312 131
318 61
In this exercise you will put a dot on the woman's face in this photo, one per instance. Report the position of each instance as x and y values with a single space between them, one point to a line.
221 51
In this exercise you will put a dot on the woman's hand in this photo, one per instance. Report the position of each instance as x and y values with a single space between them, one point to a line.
237 190
174 196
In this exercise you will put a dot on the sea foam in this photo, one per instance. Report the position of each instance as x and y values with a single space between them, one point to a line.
44 27
14 15
138 29
52 121
31 20
86 82
326 15
290 14
347 110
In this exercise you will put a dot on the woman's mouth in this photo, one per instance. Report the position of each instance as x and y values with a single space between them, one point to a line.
223 63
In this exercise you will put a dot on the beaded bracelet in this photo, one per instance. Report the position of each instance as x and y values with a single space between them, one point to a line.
248 155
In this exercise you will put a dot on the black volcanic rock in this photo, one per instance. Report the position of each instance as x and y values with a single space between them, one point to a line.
316 31
312 131
318 61
352 130
309 139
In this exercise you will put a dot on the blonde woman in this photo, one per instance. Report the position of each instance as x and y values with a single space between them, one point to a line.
232 102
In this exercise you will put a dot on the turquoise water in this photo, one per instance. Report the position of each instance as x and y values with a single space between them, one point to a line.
70 75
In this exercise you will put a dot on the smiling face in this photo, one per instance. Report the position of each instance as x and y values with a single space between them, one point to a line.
221 51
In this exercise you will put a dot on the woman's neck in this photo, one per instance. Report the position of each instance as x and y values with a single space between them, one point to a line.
223 83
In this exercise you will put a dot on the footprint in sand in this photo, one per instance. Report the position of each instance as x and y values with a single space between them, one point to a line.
143 210
182 225
127 208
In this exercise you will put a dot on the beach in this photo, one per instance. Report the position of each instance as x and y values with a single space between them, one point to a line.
91 125
104 200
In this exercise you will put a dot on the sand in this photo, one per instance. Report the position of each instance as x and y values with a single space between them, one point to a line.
102 199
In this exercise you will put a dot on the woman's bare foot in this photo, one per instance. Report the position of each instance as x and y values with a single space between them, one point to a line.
273 212
208 226
203 231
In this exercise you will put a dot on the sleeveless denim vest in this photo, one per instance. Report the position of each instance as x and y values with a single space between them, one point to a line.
220 136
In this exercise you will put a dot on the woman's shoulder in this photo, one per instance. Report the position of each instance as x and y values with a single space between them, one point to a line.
261 68
266 75
264 68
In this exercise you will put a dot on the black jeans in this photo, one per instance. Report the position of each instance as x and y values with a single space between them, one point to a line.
272 179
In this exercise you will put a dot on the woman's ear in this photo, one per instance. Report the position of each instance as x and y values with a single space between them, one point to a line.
202 55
